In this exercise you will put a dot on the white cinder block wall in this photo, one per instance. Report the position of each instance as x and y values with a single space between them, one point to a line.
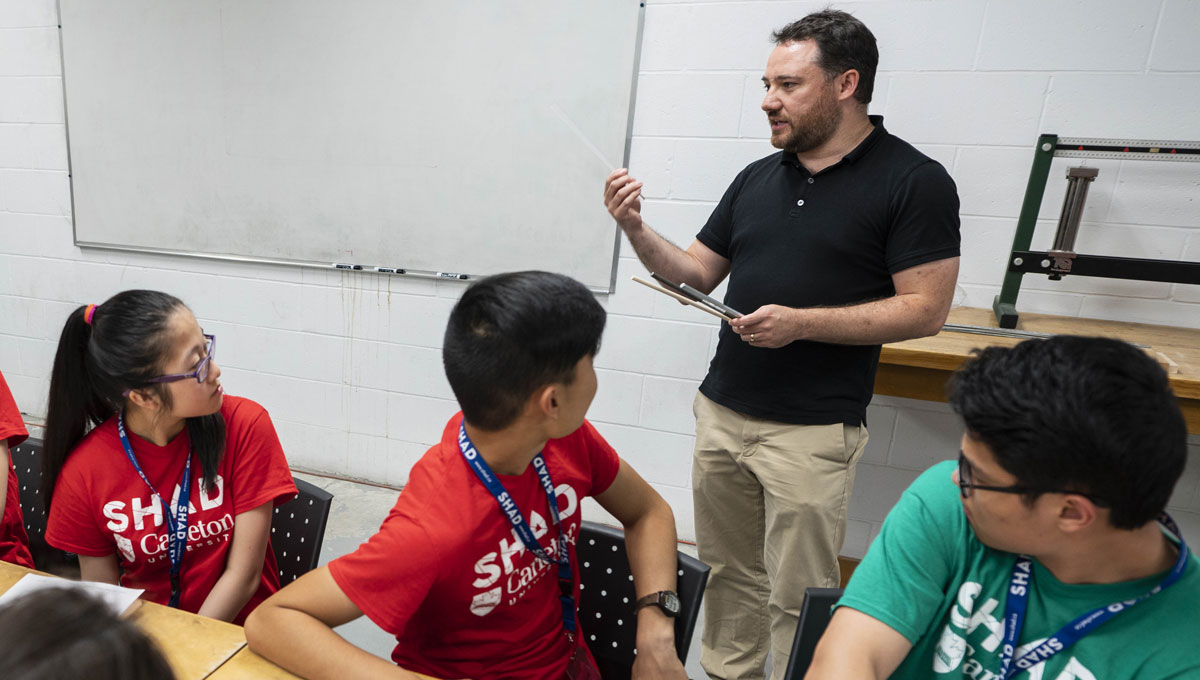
349 364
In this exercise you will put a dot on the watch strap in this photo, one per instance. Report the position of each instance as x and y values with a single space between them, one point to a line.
656 600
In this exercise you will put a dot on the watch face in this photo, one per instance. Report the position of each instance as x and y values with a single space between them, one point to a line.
670 602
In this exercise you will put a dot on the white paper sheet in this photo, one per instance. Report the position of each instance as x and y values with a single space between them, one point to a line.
117 598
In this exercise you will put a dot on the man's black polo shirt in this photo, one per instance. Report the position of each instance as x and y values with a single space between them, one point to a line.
830 239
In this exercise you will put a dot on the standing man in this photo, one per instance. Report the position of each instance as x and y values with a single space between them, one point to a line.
845 239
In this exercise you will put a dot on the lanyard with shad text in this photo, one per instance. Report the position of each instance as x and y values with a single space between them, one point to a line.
1018 599
177 523
509 507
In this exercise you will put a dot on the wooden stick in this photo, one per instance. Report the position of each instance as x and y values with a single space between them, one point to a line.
682 298
1167 364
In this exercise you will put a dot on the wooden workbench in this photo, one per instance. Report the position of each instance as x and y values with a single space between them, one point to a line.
919 369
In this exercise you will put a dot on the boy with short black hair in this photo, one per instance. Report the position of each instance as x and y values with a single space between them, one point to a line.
1040 550
449 573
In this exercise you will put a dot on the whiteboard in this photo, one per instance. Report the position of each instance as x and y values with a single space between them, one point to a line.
468 136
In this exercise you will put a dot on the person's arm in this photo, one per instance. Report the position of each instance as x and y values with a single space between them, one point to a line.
650 542
919 308
698 266
294 629
857 646
243 565
4 463
99 569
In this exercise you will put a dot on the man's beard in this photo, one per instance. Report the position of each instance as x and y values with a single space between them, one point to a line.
814 129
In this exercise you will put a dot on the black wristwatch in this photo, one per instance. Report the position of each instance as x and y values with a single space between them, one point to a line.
665 600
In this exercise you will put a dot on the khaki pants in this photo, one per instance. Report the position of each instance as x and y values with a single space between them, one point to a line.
770 501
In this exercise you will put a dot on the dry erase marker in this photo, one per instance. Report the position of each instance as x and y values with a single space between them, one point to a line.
451 275
355 267
389 270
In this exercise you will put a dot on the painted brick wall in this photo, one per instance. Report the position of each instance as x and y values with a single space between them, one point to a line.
349 364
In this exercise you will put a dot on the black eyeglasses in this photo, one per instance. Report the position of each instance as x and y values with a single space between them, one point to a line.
966 485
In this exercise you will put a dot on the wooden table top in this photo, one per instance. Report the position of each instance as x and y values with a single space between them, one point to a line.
918 369
194 645
246 665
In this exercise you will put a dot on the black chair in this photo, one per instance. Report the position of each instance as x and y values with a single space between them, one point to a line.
298 530
607 599
815 613
27 461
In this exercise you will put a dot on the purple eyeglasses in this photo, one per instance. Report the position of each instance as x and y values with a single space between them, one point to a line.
201 372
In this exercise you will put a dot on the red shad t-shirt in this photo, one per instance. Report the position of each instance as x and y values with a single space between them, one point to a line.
101 505
14 542
449 578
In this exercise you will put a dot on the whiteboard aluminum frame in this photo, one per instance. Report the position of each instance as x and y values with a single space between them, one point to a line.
366 268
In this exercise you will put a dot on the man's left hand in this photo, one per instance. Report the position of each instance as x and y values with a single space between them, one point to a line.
769 326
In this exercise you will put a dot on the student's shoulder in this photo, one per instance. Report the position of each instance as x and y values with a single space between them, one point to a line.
935 484
94 457
582 445
1159 655
429 506
434 483
240 410
1189 590
584 459
584 435
102 440
931 503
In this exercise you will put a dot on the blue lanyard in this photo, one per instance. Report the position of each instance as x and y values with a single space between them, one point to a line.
177 524
1018 598
508 506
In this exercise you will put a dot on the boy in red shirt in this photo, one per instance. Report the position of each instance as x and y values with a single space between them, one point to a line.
448 572
14 543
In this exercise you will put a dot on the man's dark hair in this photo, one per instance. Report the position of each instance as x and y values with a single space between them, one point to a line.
1090 414
511 334
844 42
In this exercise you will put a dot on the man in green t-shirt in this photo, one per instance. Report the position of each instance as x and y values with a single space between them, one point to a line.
1045 551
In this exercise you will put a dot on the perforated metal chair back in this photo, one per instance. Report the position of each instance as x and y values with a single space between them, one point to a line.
298 530
606 602
27 460
815 613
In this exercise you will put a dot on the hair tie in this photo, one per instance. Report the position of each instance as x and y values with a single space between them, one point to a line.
88 314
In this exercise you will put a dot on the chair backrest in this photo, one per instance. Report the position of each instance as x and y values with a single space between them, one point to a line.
815 614
27 460
298 530
606 602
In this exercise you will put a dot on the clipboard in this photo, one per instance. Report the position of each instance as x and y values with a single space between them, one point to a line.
690 296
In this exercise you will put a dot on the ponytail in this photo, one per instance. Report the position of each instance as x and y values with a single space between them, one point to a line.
75 405
104 352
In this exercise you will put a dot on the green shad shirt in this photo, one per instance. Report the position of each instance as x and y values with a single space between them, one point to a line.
929 578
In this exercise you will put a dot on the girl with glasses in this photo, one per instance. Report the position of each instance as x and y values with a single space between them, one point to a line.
153 476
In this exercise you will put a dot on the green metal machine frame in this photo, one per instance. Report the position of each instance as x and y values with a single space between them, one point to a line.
1059 263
